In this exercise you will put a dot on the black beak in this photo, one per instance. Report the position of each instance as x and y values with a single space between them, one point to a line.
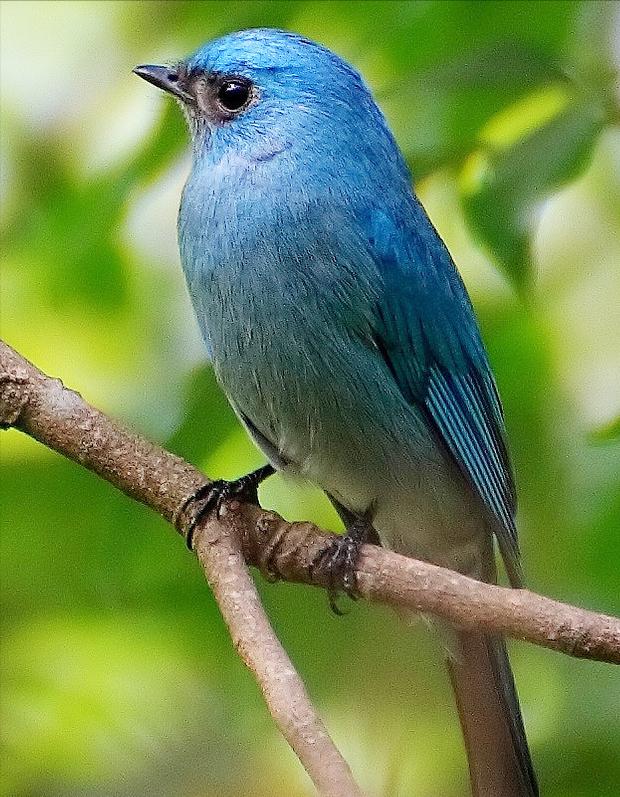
164 77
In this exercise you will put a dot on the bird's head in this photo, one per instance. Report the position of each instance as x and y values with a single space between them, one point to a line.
262 92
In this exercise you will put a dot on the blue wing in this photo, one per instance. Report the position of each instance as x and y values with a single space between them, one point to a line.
427 332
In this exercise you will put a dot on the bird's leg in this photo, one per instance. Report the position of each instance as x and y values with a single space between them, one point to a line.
339 559
210 497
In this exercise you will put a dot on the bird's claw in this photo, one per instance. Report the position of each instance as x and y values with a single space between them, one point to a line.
338 561
212 496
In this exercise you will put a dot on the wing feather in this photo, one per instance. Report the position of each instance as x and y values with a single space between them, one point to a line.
427 333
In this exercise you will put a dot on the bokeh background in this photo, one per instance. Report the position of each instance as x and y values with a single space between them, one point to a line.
118 677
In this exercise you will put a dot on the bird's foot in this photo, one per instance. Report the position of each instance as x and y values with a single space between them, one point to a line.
338 561
212 496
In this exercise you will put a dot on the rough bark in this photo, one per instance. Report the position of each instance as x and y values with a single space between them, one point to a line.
43 408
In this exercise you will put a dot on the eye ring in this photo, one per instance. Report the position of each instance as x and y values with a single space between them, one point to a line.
233 95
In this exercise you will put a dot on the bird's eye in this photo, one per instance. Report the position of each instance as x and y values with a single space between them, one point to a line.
234 94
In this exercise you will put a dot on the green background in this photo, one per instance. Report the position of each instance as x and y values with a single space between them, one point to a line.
118 677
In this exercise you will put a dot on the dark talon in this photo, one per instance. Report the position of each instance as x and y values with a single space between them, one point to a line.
213 495
339 561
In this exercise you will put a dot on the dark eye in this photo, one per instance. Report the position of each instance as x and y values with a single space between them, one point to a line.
234 94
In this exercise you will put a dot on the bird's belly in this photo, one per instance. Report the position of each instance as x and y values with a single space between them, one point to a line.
356 438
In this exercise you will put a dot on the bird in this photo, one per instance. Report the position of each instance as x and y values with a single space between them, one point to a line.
344 338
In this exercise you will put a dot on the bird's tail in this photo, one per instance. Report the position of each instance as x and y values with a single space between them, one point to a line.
499 758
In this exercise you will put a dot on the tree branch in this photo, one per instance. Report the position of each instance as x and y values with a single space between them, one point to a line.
62 420
43 408
391 578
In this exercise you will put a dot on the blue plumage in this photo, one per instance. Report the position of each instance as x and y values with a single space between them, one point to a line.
342 334
429 337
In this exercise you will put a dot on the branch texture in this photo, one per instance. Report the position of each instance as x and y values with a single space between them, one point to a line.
43 408
59 418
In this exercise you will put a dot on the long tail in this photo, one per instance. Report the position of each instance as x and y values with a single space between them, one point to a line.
499 758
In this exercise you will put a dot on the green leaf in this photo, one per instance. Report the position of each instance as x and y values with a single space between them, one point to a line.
438 113
503 188
207 417
607 433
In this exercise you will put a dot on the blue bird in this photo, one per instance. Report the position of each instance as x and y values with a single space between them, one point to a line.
343 336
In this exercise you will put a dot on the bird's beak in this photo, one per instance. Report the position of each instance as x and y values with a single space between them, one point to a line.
166 78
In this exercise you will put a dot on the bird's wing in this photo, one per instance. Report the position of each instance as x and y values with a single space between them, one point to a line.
427 333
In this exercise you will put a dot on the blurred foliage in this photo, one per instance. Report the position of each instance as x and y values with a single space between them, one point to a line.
117 675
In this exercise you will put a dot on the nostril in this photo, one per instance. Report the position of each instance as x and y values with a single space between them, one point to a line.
173 77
